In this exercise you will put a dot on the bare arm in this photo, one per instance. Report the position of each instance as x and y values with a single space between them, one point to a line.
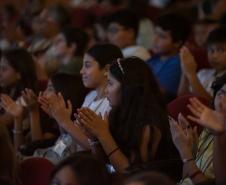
197 87
183 86
56 107
182 135
189 68
100 128
6 119
215 122
18 137
16 112
219 158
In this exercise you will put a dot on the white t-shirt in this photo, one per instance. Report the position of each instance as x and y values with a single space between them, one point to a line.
207 77
137 51
65 145
100 106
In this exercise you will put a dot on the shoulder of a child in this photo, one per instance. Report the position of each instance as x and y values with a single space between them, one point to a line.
89 97
205 72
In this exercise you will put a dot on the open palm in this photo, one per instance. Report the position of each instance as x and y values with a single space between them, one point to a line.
206 117
10 106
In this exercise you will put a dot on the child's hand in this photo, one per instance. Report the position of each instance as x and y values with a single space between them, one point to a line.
93 122
30 99
203 115
182 137
188 63
60 110
10 106
44 102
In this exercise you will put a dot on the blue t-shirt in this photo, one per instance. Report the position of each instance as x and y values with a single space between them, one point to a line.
167 72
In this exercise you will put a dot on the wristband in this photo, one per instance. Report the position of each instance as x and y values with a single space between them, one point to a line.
113 151
187 160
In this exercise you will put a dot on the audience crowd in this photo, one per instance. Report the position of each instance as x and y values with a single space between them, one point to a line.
87 87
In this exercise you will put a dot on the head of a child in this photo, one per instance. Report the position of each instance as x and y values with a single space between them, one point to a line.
171 33
219 88
136 100
201 30
70 86
81 169
70 42
96 62
57 17
123 28
216 44
146 178
17 70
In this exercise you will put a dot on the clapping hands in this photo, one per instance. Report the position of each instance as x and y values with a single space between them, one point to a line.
203 115
12 107
92 122
184 137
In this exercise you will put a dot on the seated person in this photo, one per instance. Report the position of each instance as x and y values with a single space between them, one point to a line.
71 88
68 49
122 31
171 33
200 83
198 156
136 131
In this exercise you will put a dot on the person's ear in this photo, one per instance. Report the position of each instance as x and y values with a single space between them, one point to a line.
106 70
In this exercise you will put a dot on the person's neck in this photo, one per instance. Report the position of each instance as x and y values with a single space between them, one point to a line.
101 91
168 55
129 44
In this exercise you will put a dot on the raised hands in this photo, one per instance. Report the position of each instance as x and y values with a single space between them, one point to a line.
188 63
203 115
30 99
183 136
56 107
12 107
93 122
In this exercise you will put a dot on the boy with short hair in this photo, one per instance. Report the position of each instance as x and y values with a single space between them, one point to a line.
172 31
122 32
201 83
69 47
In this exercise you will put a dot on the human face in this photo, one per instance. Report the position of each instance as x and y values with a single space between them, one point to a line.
217 56
60 46
120 36
65 176
220 100
200 34
8 75
163 42
92 75
113 90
